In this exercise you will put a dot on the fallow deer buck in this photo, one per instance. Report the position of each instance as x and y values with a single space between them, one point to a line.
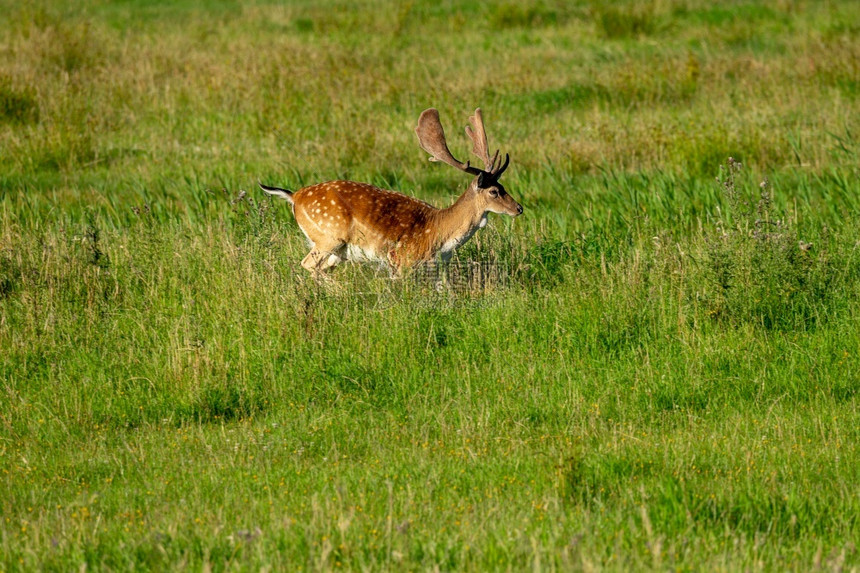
344 220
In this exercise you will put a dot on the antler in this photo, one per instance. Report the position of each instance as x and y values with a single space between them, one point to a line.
431 138
496 170
479 140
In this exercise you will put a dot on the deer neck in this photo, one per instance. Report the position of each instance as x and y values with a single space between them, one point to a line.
459 222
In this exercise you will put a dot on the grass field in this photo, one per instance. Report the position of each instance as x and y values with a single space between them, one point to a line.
662 372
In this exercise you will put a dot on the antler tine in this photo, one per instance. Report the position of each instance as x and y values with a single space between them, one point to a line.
479 139
498 171
493 164
431 138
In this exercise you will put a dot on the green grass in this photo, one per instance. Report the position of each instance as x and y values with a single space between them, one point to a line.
660 373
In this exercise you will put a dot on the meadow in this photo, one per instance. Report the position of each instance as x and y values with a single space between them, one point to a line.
660 373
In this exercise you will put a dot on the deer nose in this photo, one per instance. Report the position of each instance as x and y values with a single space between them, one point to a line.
519 209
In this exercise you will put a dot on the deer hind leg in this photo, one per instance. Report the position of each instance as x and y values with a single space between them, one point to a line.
323 257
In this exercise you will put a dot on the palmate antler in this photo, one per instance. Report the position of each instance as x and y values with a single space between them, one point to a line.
480 148
431 138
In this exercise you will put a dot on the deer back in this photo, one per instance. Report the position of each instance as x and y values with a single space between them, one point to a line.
360 214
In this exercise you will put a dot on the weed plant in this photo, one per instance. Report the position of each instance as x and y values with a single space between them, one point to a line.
761 268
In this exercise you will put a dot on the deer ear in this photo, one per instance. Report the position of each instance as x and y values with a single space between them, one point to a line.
481 180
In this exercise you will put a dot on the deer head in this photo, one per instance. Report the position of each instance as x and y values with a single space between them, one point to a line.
489 193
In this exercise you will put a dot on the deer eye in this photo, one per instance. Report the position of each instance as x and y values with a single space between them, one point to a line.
494 193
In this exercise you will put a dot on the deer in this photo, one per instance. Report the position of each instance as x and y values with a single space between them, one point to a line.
345 220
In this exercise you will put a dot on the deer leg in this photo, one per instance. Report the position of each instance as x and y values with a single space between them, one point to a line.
321 258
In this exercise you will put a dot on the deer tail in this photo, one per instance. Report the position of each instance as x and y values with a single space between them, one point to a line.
278 192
